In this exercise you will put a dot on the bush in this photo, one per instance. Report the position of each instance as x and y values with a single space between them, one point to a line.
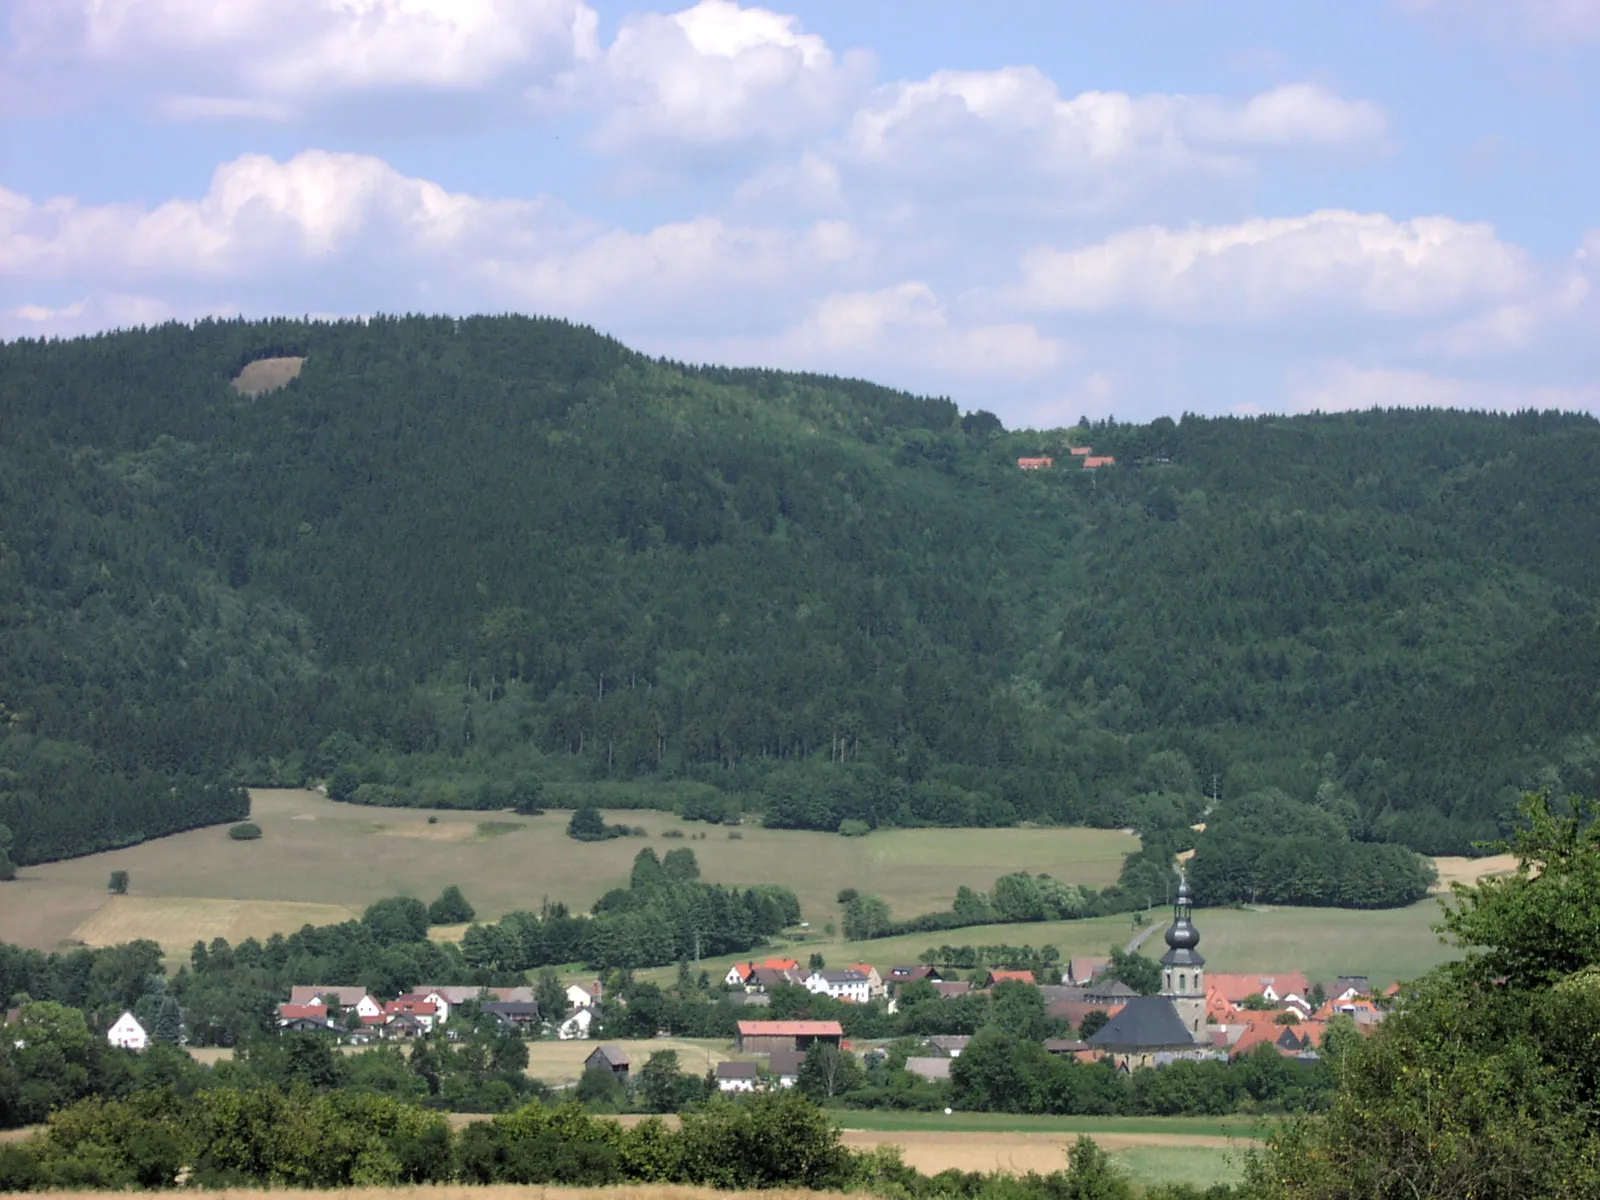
851 827
587 825
247 831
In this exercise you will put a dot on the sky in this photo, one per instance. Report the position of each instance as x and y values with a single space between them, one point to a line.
1048 210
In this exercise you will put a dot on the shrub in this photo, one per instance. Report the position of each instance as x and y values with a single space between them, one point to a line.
851 827
672 833
247 831
735 836
451 908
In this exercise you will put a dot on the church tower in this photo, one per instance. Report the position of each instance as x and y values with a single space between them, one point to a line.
1182 969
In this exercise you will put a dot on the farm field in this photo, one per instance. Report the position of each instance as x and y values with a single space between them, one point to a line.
562 1062
180 921
319 852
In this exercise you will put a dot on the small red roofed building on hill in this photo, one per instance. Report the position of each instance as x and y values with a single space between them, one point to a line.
1036 464
1009 977
1095 461
1080 451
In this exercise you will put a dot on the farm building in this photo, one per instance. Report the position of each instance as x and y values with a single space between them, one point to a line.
1035 464
760 1037
784 1067
608 1058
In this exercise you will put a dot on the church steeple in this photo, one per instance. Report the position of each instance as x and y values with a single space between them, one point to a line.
1182 967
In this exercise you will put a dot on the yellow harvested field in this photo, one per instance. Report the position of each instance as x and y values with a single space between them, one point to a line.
562 1062
177 923
266 374
317 851
1454 869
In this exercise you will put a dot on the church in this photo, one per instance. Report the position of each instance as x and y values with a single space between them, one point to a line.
1153 1029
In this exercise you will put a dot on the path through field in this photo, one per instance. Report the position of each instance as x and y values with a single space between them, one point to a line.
931 1151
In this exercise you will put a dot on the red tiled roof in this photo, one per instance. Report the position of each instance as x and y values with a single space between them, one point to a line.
781 964
416 1008
1035 464
1103 460
790 1029
1006 976
296 1012
1080 450
1236 988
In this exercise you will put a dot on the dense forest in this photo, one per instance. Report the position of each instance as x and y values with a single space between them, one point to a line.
456 556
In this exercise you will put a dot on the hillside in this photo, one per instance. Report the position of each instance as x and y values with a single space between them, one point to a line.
450 556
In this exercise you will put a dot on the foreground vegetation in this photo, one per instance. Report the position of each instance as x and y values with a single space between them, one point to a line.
463 564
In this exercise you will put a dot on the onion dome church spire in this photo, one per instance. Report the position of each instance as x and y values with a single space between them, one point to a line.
1182 967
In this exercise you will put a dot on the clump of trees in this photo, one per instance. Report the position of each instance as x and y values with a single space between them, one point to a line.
247 831
588 825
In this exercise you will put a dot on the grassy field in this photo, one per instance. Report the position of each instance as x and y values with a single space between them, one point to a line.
1197 1128
182 921
562 1062
315 851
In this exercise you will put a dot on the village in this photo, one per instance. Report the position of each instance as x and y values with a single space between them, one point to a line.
1196 1014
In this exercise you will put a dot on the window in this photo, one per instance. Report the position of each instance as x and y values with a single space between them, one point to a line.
1181 981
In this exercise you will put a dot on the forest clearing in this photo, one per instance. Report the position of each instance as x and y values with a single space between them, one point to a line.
319 852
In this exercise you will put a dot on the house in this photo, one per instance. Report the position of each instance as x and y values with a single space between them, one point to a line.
900 976
576 1027
851 986
1086 969
127 1033
454 994
584 996
405 1025
1035 464
302 1012
949 989
1068 1048
441 1006
782 964
307 1025
1080 451
947 1045
1073 1012
875 984
749 999
767 1036
1108 992
1348 987
1101 460
346 997
1142 1028
1283 987
737 1076
608 1058
739 974
764 978
784 1067
935 1070
513 1014
995 977
424 1012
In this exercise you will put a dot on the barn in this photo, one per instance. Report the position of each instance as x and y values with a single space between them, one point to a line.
763 1037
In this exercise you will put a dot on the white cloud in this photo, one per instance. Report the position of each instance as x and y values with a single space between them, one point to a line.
1345 387
1558 22
1024 108
1327 263
260 218
255 58
717 74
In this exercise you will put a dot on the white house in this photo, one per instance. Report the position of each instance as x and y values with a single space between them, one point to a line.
348 997
579 996
576 1027
738 1076
840 985
128 1034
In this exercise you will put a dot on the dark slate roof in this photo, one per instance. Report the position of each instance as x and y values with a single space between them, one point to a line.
1142 1022
786 1062
613 1054
511 1008
738 1070
1112 990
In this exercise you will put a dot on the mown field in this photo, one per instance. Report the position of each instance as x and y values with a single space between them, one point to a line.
318 852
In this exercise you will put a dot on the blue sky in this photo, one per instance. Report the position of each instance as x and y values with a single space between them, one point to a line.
1048 210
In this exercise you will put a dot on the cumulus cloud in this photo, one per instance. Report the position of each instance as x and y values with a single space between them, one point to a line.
718 74
352 227
267 58
1329 262
1345 387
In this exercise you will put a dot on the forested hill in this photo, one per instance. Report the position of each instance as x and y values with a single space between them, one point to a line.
455 553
